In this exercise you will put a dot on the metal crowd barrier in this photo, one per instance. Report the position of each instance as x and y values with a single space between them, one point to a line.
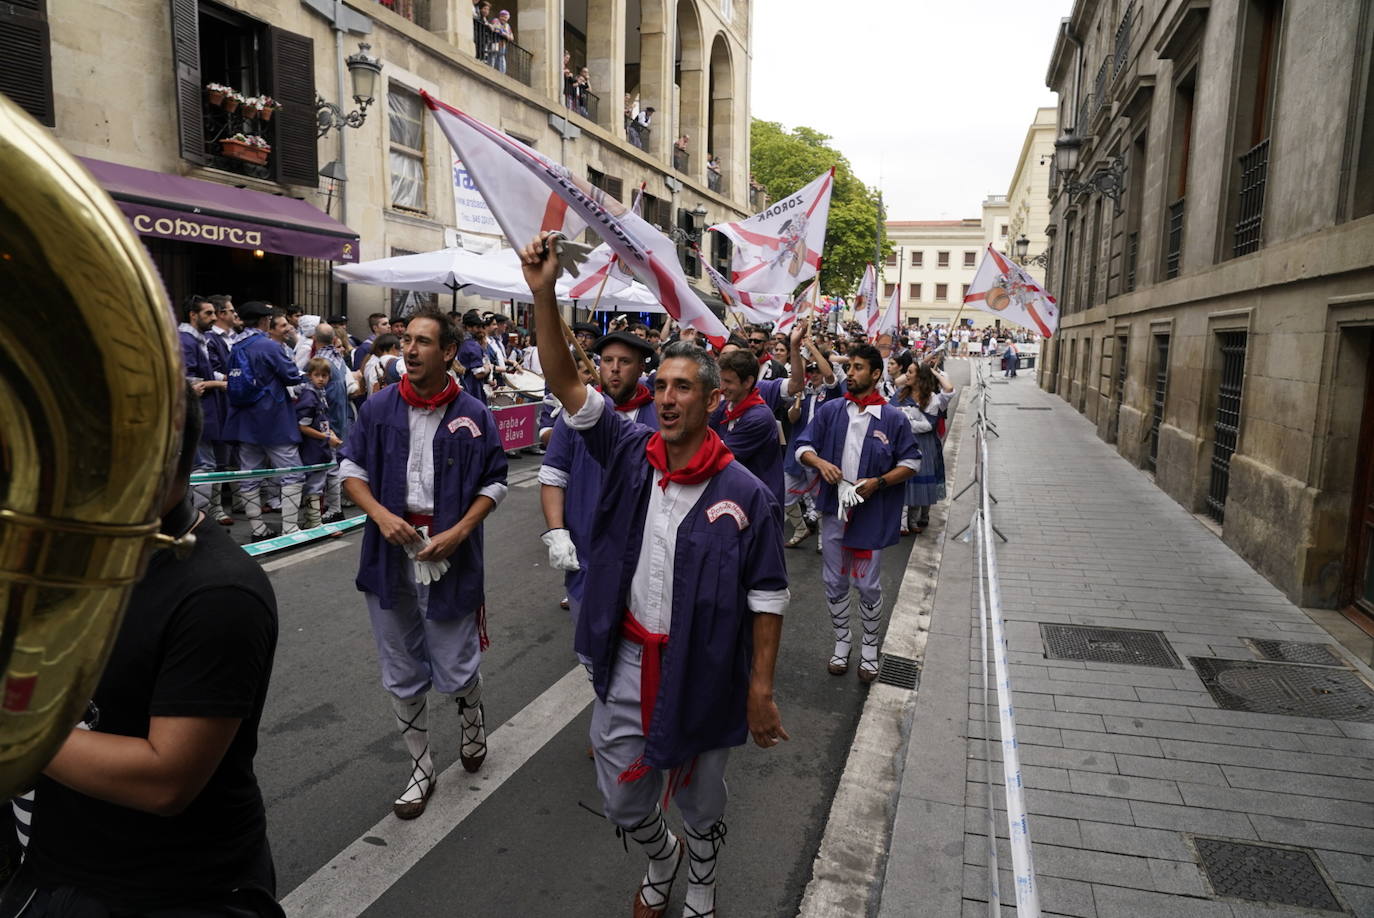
288 540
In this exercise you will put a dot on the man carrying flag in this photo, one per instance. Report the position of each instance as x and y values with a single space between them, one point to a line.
864 451
682 610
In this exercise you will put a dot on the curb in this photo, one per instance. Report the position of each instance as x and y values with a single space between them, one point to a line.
847 874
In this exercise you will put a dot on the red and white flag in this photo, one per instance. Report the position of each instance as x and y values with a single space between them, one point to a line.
804 305
527 193
602 267
892 318
758 308
780 247
865 300
1004 289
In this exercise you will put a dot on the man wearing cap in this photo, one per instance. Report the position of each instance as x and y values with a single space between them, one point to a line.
472 355
682 607
584 333
423 454
570 479
261 417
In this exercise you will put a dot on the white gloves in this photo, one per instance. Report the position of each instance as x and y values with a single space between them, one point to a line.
426 572
562 552
849 499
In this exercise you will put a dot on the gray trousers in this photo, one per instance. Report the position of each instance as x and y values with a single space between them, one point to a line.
255 456
840 569
205 462
417 654
617 735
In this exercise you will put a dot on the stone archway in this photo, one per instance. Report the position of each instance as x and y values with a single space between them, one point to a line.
645 72
689 76
720 138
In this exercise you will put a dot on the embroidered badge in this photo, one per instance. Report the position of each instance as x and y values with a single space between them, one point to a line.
881 436
466 423
727 508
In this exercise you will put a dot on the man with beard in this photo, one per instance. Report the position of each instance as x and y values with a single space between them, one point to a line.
682 605
864 451
570 479
207 383
424 462
472 355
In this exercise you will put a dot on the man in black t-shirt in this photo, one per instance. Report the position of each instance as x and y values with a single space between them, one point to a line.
156 808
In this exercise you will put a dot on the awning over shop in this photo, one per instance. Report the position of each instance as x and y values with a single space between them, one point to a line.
191 210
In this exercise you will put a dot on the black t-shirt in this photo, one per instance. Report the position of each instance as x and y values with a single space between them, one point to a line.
197 641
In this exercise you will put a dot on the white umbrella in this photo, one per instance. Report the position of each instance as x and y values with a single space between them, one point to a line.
495 275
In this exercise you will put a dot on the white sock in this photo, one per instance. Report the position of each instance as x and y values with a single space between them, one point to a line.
413 718
872 618
839 620
702 852
661 846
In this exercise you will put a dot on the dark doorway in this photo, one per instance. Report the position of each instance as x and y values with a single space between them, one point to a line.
1358 592
189 267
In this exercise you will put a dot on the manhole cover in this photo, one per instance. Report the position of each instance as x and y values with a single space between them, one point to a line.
1108 645
1295 652
1281 688
1261 873
899 671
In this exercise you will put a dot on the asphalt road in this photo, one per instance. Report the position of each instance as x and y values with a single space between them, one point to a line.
331 761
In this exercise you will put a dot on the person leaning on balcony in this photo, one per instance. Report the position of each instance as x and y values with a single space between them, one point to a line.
681 143
640 126
481 32
504 35
569 83
580 90
713 163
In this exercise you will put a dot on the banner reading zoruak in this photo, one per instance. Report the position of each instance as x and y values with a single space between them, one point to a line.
1004 289
780 247
528 193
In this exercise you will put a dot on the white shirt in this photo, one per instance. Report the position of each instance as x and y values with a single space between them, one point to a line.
651 588
424 424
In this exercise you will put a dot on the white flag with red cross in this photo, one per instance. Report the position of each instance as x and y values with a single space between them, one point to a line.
780 247
1004 289
865 301
602 271
527 193
892 317
758 308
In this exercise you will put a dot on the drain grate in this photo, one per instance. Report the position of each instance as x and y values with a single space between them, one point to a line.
1033 408
1282 688
902 672
1263 873
1295 652
1108 645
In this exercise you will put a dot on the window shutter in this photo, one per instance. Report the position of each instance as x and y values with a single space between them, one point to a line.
186 69
615 188
25 49
292 63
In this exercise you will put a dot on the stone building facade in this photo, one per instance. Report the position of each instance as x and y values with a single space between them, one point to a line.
1028 197
1213 255
124 83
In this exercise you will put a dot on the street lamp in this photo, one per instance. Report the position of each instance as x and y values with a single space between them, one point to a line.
363 70
1022 245
692 236
1066 150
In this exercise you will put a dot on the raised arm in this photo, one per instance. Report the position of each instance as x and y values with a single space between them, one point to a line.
540 264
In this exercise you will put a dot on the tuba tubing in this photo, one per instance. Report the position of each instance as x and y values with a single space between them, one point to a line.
90 417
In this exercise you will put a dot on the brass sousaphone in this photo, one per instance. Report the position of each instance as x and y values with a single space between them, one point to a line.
90 418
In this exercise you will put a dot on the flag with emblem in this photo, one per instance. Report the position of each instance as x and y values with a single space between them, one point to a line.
891 319
865 299
804 305
758 308
780 247
528 192
1006 290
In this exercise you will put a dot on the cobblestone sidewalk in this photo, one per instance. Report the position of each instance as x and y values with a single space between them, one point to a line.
1131 770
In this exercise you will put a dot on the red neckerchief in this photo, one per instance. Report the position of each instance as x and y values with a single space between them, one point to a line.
641 397
872 398
749 401
416 400
712 456
764 359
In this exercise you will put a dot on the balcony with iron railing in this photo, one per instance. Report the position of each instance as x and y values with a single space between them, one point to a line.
585 102
682 160
500 51
1122 48
1254 171
1100 89
714 181
417 11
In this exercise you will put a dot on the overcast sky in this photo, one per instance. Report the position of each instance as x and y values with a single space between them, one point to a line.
928 99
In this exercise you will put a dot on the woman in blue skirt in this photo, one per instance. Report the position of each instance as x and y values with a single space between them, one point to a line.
923 394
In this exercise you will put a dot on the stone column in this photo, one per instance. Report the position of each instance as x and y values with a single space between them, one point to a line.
605 62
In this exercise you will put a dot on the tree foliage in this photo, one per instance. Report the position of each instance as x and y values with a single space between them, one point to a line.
783 161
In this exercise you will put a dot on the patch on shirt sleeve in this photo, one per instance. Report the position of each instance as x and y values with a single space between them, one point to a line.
727 508
467 424
881 436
